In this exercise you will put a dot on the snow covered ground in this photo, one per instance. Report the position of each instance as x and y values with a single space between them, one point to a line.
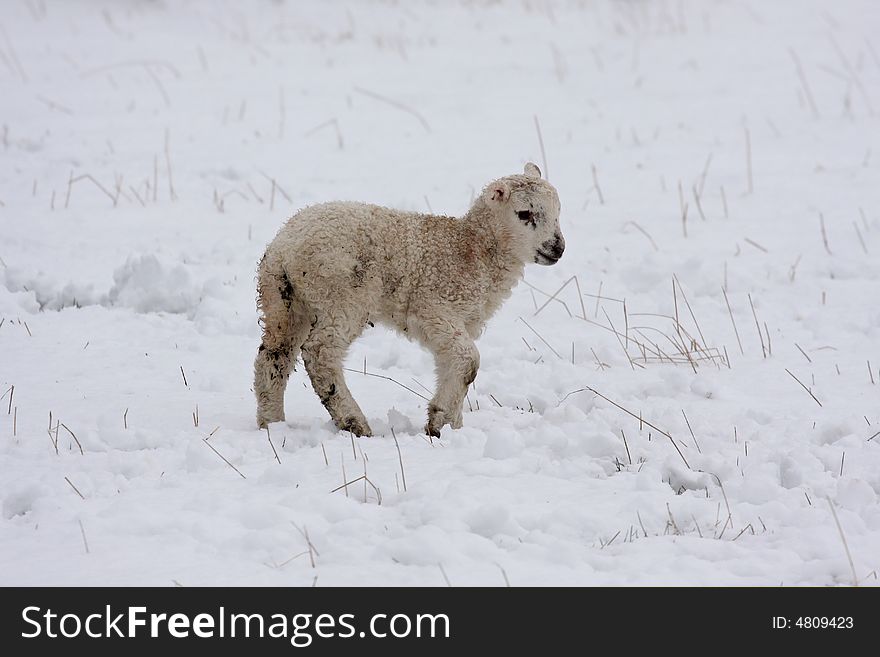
150 150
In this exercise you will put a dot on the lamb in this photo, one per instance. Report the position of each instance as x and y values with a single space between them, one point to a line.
337 267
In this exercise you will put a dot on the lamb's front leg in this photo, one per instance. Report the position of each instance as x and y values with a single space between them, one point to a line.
457 361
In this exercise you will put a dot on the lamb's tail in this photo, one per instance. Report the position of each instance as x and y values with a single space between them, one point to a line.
281 341
274 301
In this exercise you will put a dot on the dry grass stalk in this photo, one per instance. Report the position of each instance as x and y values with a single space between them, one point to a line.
344 478
696 444
691 312
83 532
671 522
824 234
622 345
398 105
698 204
274 451
703 175
758 326
645 233
639 418
313 551
853 74
354 481
602 365
682 345
387 378
225 460
114 198
626 446
73 435
331 123
54 439
809 360
849 558
445 578
540 337
729 520
641 524
171 191
137 196
75 489
554 295
733 321
596 184
810 392
688 350
504 575
861 239
684 210
755 244
15 65
806 86
793 269
743 531
400 458
580 297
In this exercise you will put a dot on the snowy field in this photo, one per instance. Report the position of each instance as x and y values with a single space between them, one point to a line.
150 150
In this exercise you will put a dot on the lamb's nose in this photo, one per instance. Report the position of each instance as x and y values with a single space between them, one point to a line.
558 247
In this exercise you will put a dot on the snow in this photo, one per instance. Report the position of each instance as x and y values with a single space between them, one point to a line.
110 297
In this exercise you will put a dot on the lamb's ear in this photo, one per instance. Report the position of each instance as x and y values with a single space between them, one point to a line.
531 170
498 192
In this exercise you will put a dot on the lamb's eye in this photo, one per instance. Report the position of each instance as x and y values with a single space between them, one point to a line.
526 215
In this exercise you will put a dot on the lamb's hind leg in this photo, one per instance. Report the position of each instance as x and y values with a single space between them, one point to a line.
457 361
284 329
323 353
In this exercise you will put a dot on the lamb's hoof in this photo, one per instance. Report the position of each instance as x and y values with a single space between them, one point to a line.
264 420
435 423
356 426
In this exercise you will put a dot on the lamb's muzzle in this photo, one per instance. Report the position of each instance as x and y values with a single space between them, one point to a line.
337 267
551 250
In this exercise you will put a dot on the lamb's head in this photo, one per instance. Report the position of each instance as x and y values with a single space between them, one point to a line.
529 206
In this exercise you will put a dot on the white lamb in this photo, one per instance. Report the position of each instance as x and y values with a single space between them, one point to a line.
336 267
